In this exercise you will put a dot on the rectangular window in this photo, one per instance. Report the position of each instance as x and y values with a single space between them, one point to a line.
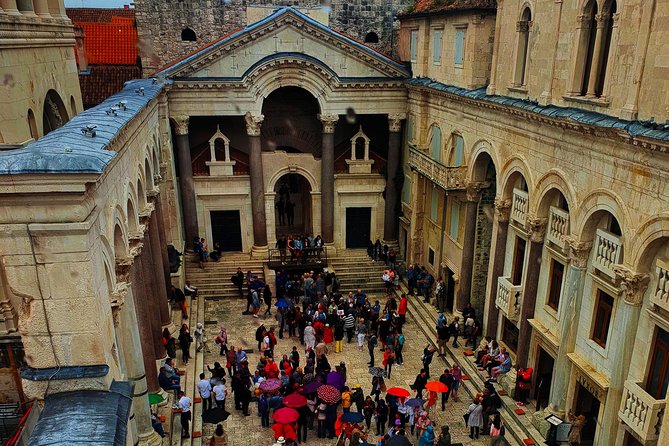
434 205
458 150
406 190
454 226
603 313
518 261
436 47
414 46
658 376
555 284
459 54
409 128
430 256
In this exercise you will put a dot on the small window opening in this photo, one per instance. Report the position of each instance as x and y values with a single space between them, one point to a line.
188 35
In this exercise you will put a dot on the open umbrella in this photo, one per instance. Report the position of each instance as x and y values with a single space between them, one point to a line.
335 379
270 385
285 415
155 398
215 415
295 400
436 386
282 303
398 391
329 394
352 417
308 377
312 386
377 371
415 402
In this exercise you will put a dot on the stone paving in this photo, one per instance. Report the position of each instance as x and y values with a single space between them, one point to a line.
241 331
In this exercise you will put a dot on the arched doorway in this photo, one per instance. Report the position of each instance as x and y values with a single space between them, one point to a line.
292 205
54 112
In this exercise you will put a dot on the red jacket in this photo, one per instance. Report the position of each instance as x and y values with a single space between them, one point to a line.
327 335
403 306
271 370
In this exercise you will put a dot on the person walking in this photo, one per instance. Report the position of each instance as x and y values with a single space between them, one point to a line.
204 388
185 406
267 298
475 418
456 373
185 340
220 392
388 361
447 379
428 353
381 417
372 342
200 343
349 325
497 431
427 438
399 346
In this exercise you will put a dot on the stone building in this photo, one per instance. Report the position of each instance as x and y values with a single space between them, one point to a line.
536 185
171 29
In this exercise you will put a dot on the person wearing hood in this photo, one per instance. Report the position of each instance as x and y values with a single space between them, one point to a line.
427 438
444 437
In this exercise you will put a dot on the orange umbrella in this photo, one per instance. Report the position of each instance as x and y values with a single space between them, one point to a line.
436 386
398 391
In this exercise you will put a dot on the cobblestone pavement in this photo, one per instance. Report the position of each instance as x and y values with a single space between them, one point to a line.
241 331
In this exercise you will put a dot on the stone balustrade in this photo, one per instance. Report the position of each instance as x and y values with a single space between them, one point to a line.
519 206
608 251
660 295
641 412
558 227
508 297
446 177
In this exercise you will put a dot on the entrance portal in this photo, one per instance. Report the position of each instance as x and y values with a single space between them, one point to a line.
544 373
226 229
292 205
587 405
450 289
358 227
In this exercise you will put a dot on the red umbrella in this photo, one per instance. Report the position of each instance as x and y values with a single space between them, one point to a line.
436 386
329 394
398 391
285 415
294 400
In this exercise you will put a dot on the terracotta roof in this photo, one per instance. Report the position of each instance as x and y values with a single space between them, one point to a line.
422 7
98 15
104 81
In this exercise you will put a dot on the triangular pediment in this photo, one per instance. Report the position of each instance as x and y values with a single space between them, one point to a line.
286 34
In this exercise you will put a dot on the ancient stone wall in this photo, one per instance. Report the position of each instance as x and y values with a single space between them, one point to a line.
160 23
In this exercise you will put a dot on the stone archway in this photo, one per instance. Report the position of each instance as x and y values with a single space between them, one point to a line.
54 112
293 207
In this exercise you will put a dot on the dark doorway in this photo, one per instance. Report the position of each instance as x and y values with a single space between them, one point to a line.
226 229
658 378
510 335
358 227
450 289
587 405
518 261
292 205
544 373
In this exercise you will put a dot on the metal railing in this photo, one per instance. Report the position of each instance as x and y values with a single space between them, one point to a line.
317 257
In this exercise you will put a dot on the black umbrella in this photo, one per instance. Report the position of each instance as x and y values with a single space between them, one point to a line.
215 415
377 371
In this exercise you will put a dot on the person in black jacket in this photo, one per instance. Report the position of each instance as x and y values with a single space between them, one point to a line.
447 379
428 353
420 382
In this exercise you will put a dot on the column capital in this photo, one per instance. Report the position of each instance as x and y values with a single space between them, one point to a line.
181 124
123 267
579 252
631 285
602 20
253 123
473 191
329 122
395 121
502 209
536 228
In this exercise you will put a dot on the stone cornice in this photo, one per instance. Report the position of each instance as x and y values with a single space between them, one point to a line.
602 132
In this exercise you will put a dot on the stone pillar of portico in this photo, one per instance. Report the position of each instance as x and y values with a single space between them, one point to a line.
472 197
9 7
42 8
631 286
593 80
161 290
502 208
143 315
157 203
571 311
186 184
253 124
26 8
134 364
391 218
537 230
151 291
327 178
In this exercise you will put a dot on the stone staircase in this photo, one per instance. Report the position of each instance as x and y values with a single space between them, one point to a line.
214 280
355 269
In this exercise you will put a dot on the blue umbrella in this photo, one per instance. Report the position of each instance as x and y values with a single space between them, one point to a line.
415 402
352 417
281 303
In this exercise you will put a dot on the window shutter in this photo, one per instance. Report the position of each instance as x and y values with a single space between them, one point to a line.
458 157
436 143
455 220
459 46
414 45
436 47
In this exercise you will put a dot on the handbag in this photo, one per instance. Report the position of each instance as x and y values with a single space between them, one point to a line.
466 417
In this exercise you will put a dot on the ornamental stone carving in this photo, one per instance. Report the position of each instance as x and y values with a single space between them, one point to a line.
579 252
502 209
631 285
123 267
473 191
395 122
253 124
329 122
181 124
536 227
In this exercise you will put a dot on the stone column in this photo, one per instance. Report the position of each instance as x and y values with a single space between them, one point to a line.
152 295
135 372
163 241
186 185
391 219
593 80
9 7
471 207
26 8
327 177
42 8
502 209
569 317
537 232
253 124
160 290
632 286
143 314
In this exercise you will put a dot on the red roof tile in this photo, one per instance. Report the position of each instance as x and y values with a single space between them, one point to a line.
99 15
104 81
422 7
110 35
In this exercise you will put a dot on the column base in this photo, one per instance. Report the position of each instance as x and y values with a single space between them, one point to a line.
331 248
258 252
152 439
171 327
